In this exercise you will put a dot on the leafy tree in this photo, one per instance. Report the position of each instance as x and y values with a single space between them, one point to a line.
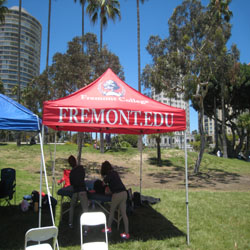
220 15
131 139
3 10
244 122
105 9
1 87
70 71
185 62
237 89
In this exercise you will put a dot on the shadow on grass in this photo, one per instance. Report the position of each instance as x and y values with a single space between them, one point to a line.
115 150
14 224
212 177
165 163
165 177
145 224
209 178
154 161
91 167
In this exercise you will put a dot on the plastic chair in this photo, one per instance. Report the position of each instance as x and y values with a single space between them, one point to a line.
93 219
41 234
8 185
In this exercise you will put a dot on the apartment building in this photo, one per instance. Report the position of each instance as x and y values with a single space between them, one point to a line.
176 139
31 31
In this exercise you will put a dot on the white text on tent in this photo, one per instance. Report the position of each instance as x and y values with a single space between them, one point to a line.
115 117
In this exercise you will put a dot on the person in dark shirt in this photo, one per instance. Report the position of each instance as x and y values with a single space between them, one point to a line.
119 196
77 176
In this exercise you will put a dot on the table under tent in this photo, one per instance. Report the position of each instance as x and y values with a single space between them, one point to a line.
16 117
109 105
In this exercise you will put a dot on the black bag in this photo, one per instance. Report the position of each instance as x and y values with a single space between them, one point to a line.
99 187
35 196
137 199
45 200
130 203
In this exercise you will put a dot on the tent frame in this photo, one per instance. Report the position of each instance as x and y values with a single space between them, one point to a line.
109 105
141 147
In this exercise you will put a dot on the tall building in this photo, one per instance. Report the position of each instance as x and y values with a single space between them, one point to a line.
209 127
175 139
31 31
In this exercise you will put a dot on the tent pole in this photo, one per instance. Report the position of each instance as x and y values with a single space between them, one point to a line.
140 162
41 137
53 168
47 186
186 176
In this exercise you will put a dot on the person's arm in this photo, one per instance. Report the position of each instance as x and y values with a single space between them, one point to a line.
106 179
61 180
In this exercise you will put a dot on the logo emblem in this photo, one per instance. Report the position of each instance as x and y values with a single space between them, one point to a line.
111 88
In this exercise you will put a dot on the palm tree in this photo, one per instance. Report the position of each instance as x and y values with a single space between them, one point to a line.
139 56
105 9
48 37
82 2
80 134
3 10
18 65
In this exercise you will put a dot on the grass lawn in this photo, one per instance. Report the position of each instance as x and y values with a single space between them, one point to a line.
218 219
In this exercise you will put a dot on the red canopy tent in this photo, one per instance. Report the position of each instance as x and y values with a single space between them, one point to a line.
109 105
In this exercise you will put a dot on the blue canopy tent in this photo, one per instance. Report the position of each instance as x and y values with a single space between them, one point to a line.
14 116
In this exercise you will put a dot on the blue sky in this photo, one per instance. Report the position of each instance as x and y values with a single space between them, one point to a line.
121 36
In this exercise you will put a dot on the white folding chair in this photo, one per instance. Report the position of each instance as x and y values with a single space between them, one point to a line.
93 219
39 235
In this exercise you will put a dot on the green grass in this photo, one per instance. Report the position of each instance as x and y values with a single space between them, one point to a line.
218 220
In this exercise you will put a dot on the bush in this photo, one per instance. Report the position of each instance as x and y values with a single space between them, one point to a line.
125 144
196 145
131 139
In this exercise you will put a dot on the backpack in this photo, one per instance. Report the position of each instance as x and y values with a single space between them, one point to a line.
45 200
129 203
137 199
99 187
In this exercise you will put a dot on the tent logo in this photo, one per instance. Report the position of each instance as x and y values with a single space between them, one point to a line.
111 88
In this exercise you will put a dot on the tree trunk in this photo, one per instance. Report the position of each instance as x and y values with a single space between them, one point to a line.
138 46
80 141
138 54
101 25
203 140
83 3
247 151
101 143
18 142
224 139
48 37
215 127
158 141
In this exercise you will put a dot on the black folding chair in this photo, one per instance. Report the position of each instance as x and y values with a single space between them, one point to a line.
7 186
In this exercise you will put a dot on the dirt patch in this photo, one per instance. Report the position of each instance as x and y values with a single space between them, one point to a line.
168 177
